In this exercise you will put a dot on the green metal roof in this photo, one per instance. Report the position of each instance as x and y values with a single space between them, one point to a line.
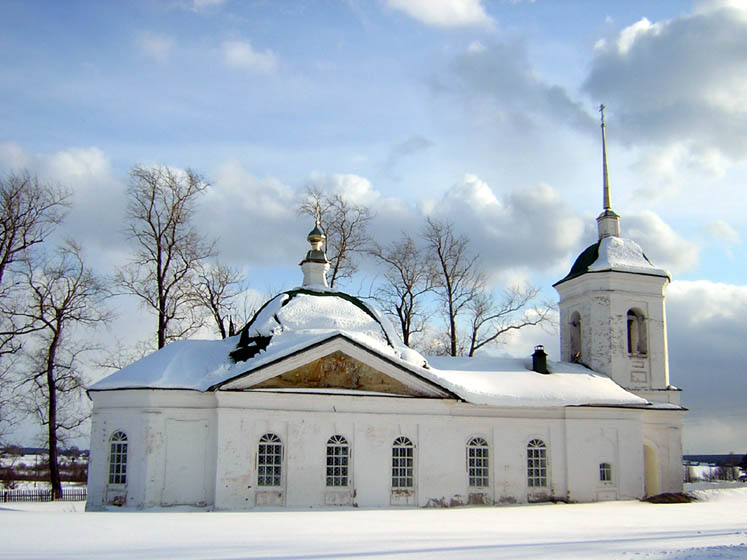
583 262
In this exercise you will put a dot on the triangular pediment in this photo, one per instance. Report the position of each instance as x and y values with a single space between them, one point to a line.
338 371
341 365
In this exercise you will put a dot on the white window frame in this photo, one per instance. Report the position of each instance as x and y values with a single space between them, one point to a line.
537 464
478 463
605 473
337 462
118 447
403 464
270 461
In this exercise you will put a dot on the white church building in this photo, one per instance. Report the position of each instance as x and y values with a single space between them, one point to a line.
317 403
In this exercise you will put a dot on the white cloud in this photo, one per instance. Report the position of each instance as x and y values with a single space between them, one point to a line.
76 168
97 201
500 82
475 47
13 156
529 227
705 6
444 13
253 218
679 82
353 188
155 46
201 5
660 242
722 231
240 54
706 324
638 30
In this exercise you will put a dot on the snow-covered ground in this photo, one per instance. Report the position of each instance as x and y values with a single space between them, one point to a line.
714 527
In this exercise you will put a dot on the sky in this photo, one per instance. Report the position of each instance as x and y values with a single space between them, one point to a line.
480 112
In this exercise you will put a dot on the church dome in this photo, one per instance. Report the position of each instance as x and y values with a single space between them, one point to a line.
302 314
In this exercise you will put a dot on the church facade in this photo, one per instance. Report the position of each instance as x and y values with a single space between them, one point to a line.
317 403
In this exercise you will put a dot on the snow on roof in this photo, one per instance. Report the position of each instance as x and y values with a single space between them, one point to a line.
613 253
625 255
317 310
301 319
510 382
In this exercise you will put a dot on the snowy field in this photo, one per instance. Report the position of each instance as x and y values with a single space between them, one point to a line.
715 527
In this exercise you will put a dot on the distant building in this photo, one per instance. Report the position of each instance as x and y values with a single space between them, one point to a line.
316 402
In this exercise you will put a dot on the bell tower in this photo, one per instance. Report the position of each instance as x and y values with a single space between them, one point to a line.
612 308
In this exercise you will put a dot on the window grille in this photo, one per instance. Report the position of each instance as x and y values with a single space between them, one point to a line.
118 458
269 460
536 464
338 454
605 472
402 463
477 462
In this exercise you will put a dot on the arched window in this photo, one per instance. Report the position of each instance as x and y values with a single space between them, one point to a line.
477 462
338 454
575 337
269 460
402 463
636 332
118 458
605 472
536 464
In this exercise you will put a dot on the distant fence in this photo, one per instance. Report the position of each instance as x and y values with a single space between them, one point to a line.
68 495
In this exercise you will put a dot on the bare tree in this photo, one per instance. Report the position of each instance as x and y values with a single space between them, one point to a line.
168 248
458 278
345 225
63 296
463 291
29 212
491 318
407 279
217 288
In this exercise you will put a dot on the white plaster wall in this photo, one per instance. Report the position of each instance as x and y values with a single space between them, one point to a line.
231 423
662 429
439 429
103 425
603 300
144 415
597 436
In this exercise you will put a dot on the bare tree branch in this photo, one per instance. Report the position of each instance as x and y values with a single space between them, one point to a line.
408 277
458 278
345 225
167 248
216 290
63 295
490 319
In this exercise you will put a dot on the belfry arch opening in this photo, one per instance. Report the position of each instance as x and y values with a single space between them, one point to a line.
575 337
636 323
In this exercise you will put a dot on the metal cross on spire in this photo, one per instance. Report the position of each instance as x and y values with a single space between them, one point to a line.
606 201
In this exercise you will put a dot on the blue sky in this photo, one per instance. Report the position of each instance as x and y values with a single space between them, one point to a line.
483 112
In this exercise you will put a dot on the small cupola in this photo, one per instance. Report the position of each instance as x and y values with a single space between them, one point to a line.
315 265
539 360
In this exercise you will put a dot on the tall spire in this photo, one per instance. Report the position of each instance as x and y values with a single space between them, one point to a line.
608 223
607 205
